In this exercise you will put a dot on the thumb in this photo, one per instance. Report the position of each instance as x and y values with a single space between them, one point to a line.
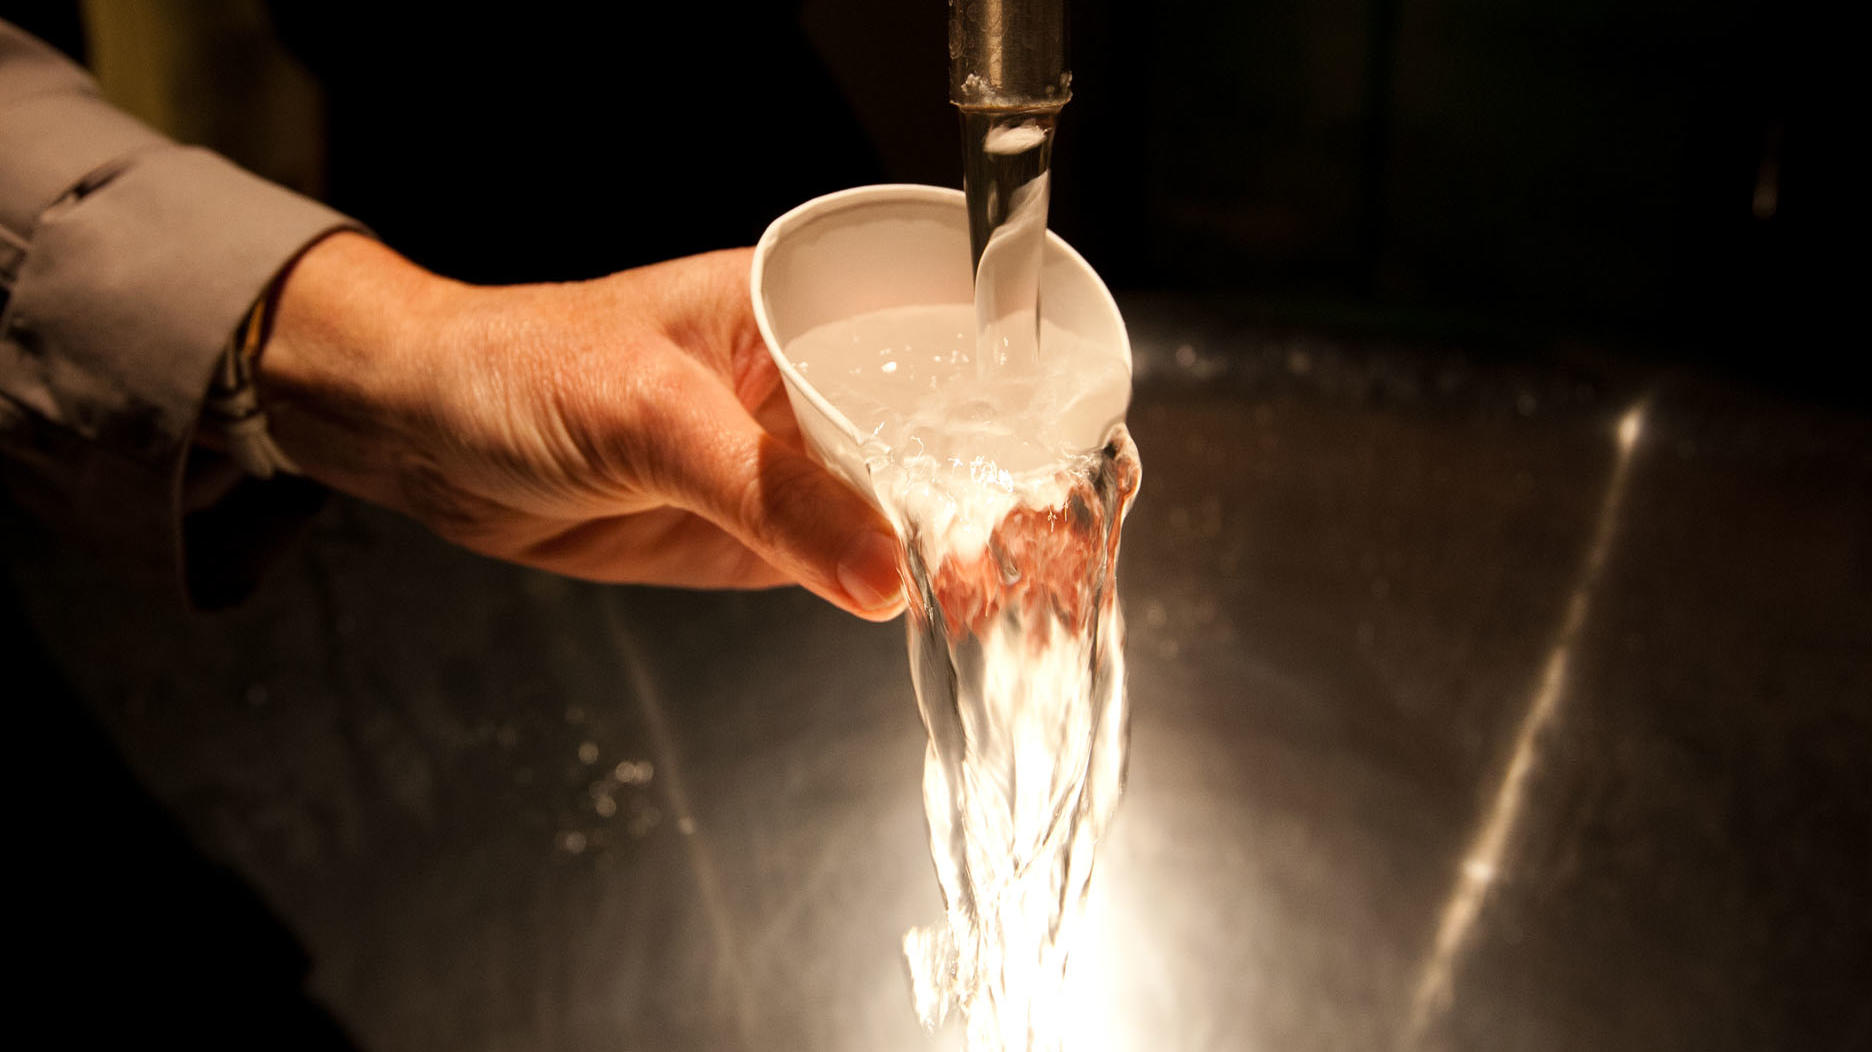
781 504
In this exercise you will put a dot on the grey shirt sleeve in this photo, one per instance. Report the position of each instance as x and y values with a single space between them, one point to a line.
126 262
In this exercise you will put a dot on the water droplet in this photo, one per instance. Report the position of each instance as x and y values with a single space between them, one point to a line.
643 820
976 412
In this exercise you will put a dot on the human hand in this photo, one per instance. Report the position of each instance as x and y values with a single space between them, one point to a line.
627 429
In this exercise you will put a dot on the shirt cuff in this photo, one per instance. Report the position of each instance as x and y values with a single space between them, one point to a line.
130 287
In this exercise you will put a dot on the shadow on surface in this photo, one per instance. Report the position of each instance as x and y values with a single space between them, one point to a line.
130 933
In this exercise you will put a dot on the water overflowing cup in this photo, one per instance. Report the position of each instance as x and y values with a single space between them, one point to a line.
1007 487
875 247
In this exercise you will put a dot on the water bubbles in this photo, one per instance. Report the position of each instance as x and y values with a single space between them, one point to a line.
1199 366
643 818
975 412
633 772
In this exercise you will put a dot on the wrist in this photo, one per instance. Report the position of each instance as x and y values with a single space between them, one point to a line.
341 373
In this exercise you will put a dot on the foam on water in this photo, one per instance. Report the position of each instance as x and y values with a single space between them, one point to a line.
950 452
1009 491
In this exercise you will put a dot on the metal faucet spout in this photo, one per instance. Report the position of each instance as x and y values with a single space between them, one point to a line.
1008 55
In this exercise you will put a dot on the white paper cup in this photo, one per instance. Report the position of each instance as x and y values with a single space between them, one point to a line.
896 245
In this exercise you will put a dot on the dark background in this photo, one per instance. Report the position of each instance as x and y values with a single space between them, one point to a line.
1664 178
1396 274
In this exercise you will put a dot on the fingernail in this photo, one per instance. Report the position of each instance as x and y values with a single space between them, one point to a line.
868 572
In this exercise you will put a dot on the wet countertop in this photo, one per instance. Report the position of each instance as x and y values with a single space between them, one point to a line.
1481 701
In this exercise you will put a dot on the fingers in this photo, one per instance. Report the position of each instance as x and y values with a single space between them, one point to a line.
782 505
663 546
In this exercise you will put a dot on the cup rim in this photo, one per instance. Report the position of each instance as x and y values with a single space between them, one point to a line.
857 195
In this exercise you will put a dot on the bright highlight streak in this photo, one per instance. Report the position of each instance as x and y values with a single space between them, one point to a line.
1482 863
730 963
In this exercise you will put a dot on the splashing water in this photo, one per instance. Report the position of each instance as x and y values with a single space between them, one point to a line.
1019 670
1010 519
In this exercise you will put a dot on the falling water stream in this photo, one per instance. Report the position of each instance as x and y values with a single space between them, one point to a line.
1010 516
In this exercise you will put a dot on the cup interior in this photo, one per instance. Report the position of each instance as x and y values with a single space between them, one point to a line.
876 247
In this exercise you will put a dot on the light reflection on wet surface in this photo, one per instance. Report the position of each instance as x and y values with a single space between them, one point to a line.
1488 850
1449 709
